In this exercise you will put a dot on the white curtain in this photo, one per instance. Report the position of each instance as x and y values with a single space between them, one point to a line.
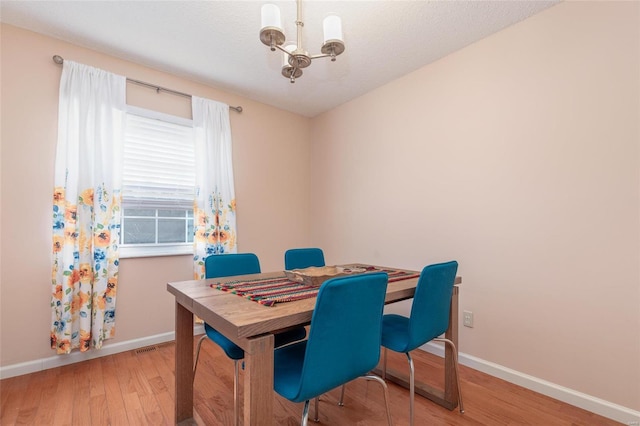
86 207
215 204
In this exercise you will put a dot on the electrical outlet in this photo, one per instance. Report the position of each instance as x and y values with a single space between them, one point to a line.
467 318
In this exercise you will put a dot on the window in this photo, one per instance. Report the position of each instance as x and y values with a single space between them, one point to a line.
158 185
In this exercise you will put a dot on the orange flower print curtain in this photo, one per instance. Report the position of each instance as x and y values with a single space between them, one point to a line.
86 207
214 208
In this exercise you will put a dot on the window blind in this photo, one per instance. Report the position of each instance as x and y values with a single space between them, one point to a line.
159 163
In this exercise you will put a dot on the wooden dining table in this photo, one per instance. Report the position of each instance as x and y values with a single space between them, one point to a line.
251 326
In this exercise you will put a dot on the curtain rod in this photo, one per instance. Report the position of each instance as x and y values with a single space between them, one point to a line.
59 60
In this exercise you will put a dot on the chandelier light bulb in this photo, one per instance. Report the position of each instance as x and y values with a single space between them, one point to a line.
332 28
271 16
271 32
285 57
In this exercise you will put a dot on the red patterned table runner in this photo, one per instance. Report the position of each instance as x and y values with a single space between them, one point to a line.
270 291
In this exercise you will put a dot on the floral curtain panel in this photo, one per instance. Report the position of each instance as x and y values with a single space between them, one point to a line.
214 209
86 207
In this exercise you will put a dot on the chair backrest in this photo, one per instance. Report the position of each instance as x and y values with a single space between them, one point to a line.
345 334
303 258
431 303
226 265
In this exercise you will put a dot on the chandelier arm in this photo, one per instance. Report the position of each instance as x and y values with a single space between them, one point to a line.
321 55
283 49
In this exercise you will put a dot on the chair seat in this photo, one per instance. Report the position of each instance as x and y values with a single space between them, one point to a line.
234 351
395 332
288 363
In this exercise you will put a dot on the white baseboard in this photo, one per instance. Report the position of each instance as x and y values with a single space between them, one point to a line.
599 406
107 349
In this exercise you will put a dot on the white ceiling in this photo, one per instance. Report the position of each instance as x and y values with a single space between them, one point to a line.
216 42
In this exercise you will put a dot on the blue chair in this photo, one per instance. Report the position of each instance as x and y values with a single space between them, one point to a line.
429 319
226 265
300 258
343 343
303 258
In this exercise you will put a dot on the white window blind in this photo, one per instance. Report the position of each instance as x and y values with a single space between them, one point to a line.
159 163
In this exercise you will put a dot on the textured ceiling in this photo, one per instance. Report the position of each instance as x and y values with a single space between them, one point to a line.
216 42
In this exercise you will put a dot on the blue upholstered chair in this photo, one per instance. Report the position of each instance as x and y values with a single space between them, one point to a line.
300 258
226 265
303 258
343 343
429 319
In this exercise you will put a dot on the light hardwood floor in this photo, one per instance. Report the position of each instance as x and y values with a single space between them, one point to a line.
137 388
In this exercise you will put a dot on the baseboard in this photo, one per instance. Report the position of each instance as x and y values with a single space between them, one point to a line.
599 406
72 358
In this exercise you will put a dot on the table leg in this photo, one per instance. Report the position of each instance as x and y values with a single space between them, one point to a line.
258 381
450 384
184 365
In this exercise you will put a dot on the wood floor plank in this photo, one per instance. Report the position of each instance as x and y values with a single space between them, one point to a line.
82 392
115 403
124 375
32 398
48 382
96 378
13 391
149 370
99 410
132 388
153 412
65 394
164 360
167 403
138 376
133 407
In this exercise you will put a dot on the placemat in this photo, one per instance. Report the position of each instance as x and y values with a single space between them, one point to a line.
270 291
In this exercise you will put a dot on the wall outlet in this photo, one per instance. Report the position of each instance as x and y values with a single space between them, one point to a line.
467 319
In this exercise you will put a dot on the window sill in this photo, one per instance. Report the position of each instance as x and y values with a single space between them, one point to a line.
133 251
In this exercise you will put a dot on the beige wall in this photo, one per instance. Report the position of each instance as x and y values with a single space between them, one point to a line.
517 156
264 139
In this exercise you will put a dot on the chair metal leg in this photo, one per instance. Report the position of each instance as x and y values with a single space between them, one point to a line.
236 379
195 363
455 365
412 388
386 394
317 402
305 414
236 374
384 376
384 364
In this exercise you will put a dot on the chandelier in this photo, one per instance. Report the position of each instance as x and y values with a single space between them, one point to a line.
295 58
